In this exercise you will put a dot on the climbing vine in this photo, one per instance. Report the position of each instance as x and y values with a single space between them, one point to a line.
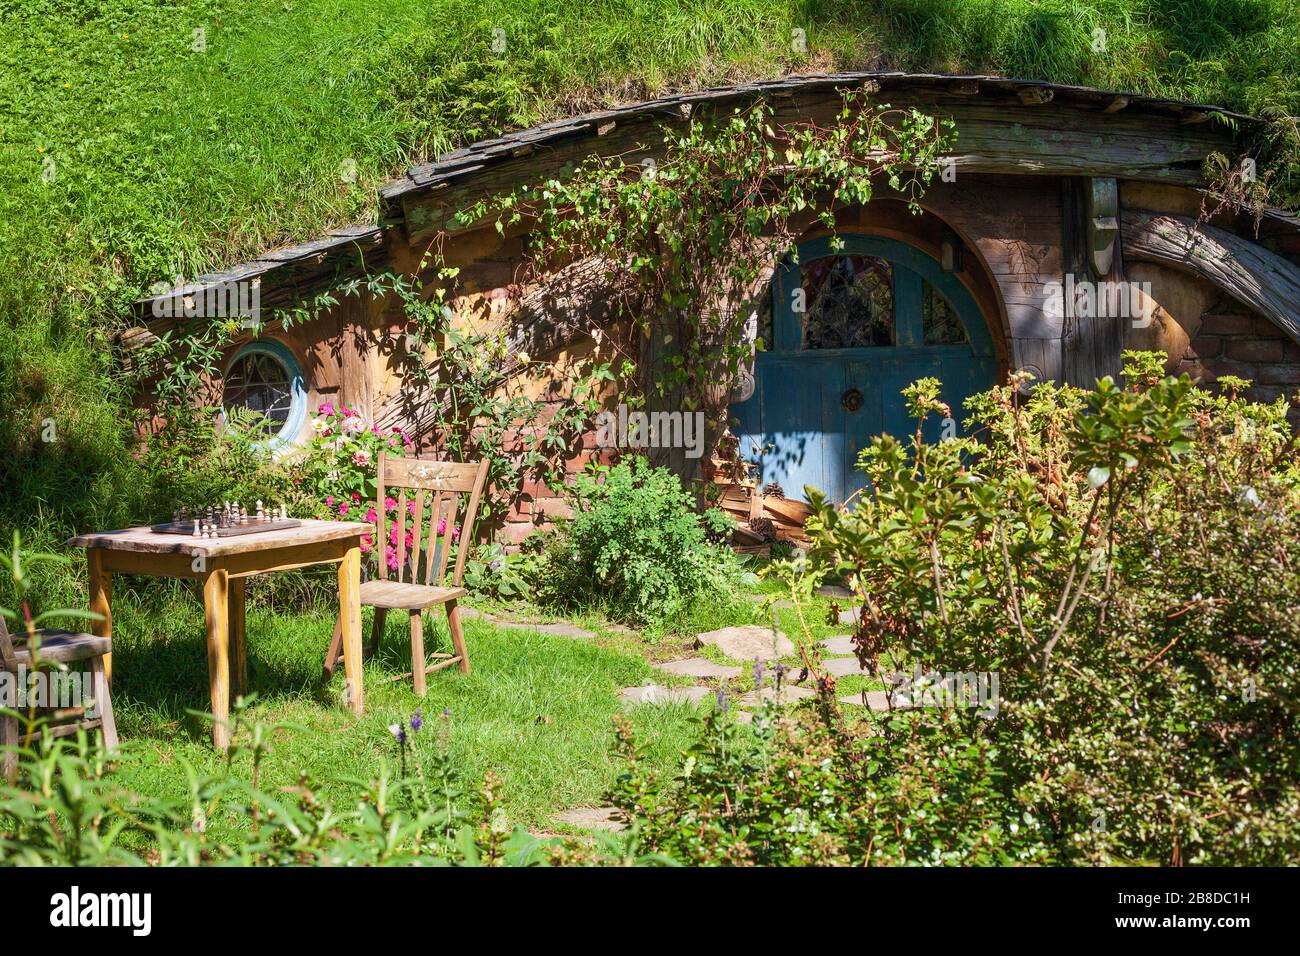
683 242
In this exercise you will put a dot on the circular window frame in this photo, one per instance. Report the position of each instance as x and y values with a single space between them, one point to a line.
288 434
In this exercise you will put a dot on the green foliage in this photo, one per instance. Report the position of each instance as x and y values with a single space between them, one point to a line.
69 809
1124 560
686 237
811 791
634 547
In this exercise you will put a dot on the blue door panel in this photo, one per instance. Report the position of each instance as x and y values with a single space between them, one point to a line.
795 427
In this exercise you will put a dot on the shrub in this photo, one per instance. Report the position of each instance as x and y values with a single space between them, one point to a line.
635 547
1124 559
811 790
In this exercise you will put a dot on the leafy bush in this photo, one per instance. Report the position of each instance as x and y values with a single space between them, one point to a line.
1124 559
812 790
635 547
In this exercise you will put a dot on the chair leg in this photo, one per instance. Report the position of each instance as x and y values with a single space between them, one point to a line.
457 635
104 703
377 630
417 653
9 738
336 648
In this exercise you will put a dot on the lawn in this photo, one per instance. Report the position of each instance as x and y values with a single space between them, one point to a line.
147 140
536 709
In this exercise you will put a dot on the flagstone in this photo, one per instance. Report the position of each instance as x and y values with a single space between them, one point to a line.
659 695
840 644
699 667
748 642
592 818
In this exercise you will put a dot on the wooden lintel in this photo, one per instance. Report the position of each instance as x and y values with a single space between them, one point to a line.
1245 271
1035 95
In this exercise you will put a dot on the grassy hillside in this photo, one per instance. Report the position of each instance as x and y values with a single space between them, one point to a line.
134 148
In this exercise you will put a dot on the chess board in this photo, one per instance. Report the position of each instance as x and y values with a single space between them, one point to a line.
226 520
251 526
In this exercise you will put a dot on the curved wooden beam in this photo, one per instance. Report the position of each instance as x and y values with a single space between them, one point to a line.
1247 272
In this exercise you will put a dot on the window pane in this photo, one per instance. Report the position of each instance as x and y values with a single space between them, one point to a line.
259 382
942 326
850 302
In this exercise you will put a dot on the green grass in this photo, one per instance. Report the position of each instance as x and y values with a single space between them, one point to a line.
537 710
170 161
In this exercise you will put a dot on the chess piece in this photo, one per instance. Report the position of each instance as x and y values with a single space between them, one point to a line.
261 515
197 532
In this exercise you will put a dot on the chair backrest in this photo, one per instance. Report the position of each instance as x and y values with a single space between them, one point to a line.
444 484
8 660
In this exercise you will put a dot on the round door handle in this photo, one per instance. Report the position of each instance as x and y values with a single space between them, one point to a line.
851 400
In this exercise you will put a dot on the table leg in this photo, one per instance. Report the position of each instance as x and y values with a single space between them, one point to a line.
216 611
350 620
238 647
101 601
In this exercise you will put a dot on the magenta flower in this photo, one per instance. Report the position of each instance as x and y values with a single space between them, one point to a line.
326 408
371 516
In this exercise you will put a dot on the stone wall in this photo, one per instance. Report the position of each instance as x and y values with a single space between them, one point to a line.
1233 341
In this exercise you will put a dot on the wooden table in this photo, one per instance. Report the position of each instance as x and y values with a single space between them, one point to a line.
222 564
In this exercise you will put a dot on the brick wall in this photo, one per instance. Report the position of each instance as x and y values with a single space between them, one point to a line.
1234 342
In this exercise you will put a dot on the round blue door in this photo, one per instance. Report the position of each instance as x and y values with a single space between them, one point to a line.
853 321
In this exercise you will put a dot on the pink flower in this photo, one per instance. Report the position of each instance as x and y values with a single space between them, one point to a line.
367 543
326 408
343 509
329 501
370 515
455 534
353 423
390 504
356 498
361 458
410 507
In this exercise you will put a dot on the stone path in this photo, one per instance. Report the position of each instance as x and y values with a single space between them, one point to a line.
748 642
877 700
659 695
789 692
555 628
837 591
842 666
591 818
699 667
841 644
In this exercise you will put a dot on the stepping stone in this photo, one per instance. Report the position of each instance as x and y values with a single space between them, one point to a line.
556 629
789 692
760 598
592 818
877 700
842 666
850 615
834 591
699 667
473 613
658 695
748 642
842 644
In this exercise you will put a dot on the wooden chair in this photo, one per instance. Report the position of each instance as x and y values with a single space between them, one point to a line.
59 647
443 483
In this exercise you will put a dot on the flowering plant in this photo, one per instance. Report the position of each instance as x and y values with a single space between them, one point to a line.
339 471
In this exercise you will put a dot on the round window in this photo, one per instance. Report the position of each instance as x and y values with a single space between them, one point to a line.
263 378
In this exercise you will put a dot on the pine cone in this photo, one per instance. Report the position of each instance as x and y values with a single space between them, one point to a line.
763 527
773 490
